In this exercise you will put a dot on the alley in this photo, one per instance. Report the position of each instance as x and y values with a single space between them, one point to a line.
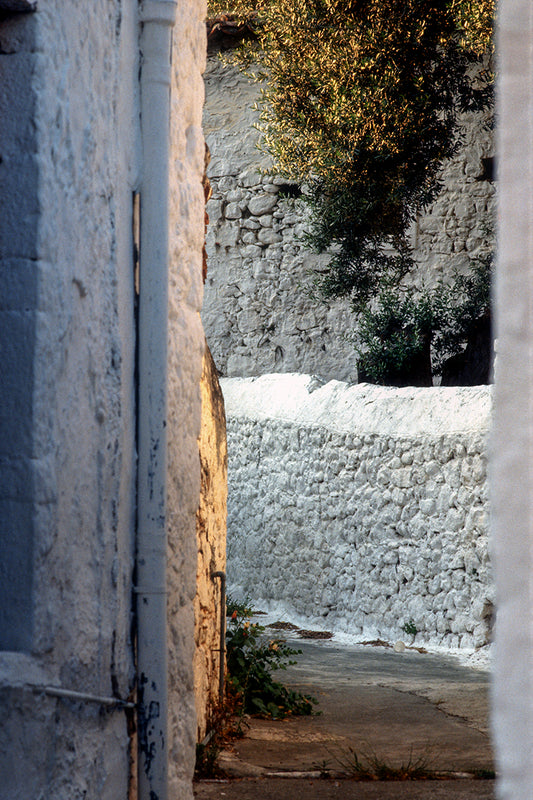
377 707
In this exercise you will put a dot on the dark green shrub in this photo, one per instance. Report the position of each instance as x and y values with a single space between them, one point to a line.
406 337
394 340
251 660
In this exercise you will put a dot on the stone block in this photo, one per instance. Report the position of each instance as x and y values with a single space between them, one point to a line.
262 204
232 211
227 235
251 224
268 236
234 195
251 251
250 179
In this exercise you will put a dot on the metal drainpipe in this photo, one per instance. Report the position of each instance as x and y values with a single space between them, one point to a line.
222 633
157 18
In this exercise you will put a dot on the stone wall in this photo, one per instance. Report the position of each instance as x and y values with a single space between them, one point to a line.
211 533
185 357
259 312
361 508
70 163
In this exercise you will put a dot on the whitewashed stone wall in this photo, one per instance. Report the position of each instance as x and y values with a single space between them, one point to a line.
70 162
258 313
67 259
512 441
361 508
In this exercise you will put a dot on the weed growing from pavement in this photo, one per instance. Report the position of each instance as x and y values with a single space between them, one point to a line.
485 774
251 661
324 768
206 765
226 723
370 767
250 688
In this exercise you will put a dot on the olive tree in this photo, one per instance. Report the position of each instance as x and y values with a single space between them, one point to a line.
362 103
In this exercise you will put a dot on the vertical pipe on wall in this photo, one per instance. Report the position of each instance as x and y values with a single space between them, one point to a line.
222 634
157 18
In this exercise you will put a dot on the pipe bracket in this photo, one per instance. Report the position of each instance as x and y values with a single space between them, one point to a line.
159 11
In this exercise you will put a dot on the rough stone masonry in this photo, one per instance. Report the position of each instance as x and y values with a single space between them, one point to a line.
361 508
259 312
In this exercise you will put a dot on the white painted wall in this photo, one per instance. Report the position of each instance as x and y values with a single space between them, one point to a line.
18 316
512 484
80 450
71 161
361 508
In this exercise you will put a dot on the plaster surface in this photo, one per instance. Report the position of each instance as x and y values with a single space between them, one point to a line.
73 168
186 351
512 441
361 508
18 319
209 606
71 162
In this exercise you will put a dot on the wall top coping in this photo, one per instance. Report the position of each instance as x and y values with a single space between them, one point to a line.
306 401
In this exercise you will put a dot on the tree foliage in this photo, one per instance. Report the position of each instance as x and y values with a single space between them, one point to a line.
362 102
408 336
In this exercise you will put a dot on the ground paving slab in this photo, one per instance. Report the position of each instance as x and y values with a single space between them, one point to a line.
393 708
307 789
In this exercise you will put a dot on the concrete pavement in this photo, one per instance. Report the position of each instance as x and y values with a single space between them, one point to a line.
388 708
299 789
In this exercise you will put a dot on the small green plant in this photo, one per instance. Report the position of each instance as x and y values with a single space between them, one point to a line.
324 768
206 761
251 660
239 610
406 337
394 340
410 628
484 774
